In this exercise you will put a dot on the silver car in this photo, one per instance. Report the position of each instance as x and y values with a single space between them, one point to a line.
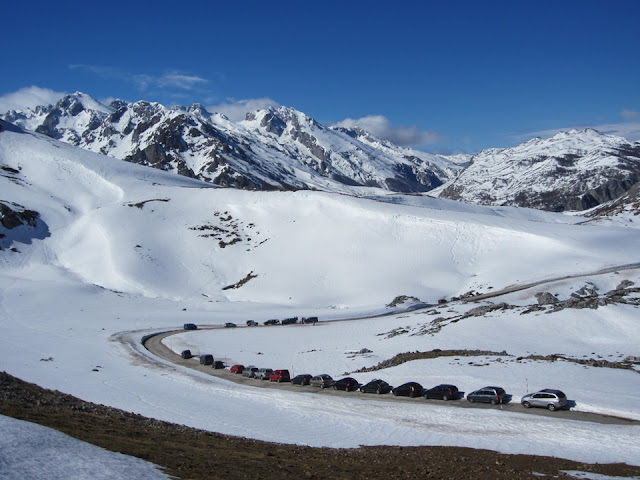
322 381
250 371
546 398
263 373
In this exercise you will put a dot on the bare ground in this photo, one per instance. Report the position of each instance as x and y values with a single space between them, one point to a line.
188 453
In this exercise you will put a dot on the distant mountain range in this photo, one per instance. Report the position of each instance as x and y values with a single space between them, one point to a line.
573 170
273 149
284 149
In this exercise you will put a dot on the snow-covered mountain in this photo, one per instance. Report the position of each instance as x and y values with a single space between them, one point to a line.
624 211
273 149
573 170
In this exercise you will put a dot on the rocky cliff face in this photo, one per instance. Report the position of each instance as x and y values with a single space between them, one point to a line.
573 170
279 149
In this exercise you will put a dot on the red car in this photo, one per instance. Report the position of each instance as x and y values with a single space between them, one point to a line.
236 369
280 376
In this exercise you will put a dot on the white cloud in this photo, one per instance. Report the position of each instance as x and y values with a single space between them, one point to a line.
177 80
29 97
145 81
237 110
630 114
381 127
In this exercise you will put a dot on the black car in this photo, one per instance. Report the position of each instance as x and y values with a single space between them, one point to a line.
218 364
273 321
290 321
190 326
348 384
376 386
309 319
186 354
206 359
302 379
444 392
409 389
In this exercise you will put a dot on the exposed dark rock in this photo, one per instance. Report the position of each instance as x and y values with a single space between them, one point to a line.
400 299
484 309
436 353
16 216
546 298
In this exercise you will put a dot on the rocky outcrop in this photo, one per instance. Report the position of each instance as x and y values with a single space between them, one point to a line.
546 298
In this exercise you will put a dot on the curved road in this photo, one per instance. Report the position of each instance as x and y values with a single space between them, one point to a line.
524 286
153 343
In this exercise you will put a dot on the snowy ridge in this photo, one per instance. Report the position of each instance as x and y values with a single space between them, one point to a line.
281 149
573 170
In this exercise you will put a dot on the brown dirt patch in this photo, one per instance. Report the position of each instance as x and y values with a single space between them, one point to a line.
188 453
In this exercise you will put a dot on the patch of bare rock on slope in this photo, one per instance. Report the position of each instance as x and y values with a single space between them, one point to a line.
188 453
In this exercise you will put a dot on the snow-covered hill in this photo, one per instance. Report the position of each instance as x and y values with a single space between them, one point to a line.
160 239
573 170
96 252
273 149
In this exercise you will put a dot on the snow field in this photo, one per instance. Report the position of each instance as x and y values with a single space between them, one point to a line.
29 450
97 267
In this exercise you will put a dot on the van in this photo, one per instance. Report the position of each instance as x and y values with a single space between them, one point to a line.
206 359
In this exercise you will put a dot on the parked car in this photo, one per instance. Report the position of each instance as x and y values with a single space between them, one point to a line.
252 323
546 398
218 364
348 384
186 354
236 368
376 386
250 371
273 321
280 376
322 381
302 379
444 392
206 359
190 326
289 321
409 389
309 319
492 395
229 325
263 373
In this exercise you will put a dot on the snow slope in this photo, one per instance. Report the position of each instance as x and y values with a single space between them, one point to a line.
28 450
119 247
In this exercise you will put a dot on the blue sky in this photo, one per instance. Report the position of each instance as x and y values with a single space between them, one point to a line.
455 76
